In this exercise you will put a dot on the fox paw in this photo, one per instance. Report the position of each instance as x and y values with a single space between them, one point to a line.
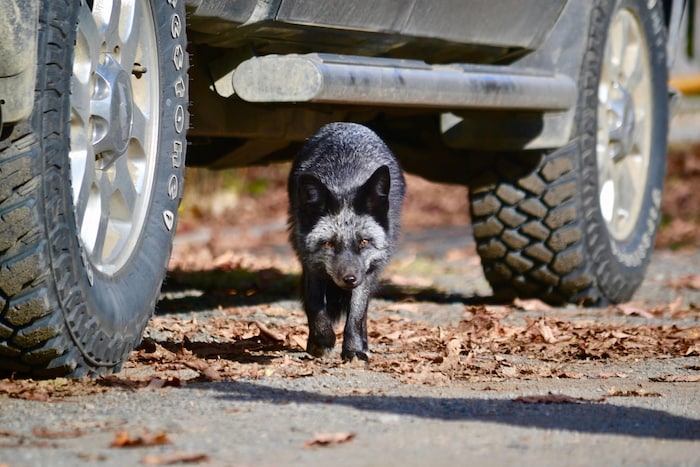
318 350
350 355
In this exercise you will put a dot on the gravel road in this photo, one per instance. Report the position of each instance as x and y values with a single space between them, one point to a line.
642 410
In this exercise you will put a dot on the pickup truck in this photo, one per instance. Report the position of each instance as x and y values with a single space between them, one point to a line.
553 112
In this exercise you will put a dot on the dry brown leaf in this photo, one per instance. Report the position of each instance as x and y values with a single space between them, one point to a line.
613 392
329 439
531 304
676 379
508 371
224 261
571 375
631 309
206 371
264 330
393 336
42 432
298 341
498 311
555 399
176 458
158 383
453 348
122 439
690 281
548 333
676 305
612 375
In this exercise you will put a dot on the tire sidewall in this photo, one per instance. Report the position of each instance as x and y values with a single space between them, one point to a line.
105 315
626 260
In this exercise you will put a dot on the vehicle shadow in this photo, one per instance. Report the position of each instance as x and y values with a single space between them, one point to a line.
241 287
224 288
583 417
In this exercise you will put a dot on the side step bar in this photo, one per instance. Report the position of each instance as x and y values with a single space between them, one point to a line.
343 79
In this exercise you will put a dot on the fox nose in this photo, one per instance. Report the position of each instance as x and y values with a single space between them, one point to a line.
350 280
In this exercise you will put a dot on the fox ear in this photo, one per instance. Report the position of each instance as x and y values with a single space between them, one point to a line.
373 197
315 200
311 191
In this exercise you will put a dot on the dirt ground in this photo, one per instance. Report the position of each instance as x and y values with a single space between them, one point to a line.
221 377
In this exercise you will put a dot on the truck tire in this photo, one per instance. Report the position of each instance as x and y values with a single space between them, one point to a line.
90 186
578 224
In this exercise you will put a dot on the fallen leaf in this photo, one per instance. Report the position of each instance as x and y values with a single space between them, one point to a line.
122 439
676 379
675 305
206 371
298 341
453 348
570 375
328 439
690 281
265 331
118 382
632 393
393 336
158 383
612 375
41 432
227 259
508 371
176 458
531 304
693 350
630 309
555 399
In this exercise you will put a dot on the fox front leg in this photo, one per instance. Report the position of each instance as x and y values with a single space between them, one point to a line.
355 332
321 335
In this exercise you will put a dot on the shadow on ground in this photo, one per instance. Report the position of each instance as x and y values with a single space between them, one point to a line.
585 417
243 287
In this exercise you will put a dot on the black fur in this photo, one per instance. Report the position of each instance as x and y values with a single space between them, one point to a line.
346 189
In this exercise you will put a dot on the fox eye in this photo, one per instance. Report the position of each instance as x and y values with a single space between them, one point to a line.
328 245
364 243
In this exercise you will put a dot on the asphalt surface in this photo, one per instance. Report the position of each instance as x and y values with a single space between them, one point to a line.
626 418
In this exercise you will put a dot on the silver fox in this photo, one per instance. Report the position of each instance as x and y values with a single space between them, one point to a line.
346 189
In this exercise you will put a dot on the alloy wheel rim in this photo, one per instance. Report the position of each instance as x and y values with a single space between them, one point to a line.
623 149
114 127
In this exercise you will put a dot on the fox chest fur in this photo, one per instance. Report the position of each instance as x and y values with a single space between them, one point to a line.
346 189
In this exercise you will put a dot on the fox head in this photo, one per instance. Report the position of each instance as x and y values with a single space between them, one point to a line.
346 235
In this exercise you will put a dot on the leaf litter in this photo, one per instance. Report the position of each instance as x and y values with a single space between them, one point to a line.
265 340
486 345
